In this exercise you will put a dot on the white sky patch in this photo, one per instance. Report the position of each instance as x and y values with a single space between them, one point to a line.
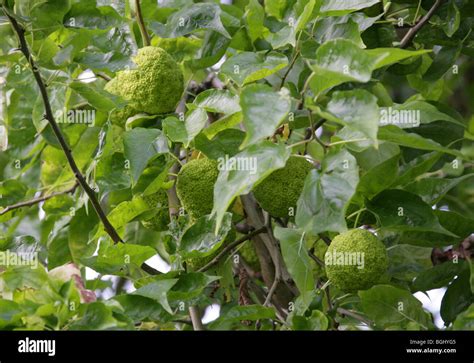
87 76
212 313
432 303
158 263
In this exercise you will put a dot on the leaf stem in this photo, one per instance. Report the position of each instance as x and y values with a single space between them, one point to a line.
141 24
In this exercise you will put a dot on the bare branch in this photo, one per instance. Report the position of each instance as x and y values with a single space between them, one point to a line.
29 203
413 31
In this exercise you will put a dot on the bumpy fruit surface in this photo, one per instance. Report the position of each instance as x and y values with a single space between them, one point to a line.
281 189
154 87
356 260
159 204
248 252
195 186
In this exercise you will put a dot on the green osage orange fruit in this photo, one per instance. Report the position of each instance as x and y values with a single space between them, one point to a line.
158 202
355 260
195 186
154 87
279 192
248 252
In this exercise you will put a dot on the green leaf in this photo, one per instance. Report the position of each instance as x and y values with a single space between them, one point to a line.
190 286
158 291
326 194
297 260
438 276
95 316
192 18
224 123
265 157
141 146
398 210
378 178
339 61
453 222
388 56
194 123
395 134
218 101
406 261
126 211
226 142
425 113
416 167
317 321
341 7
357 110
263 110
255 18
248 67
432 190
10 313
453 19
465 320
332 28
242 313
199 240
389 306
113 259
96 96
458 297
175 129
442 63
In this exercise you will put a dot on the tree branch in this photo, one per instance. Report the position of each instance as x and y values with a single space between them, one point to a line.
62 141
229 247
29 203
195 318
57 131
141 24
414 30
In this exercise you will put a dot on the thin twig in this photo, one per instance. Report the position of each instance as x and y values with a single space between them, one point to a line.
316 258
230 247
34 201
141 24
290 67
413 31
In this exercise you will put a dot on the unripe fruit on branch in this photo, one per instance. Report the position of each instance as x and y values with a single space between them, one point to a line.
355 260
195 186
279 192
159 204
154 87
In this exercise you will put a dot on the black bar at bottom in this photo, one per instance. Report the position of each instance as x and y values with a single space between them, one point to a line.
241 345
